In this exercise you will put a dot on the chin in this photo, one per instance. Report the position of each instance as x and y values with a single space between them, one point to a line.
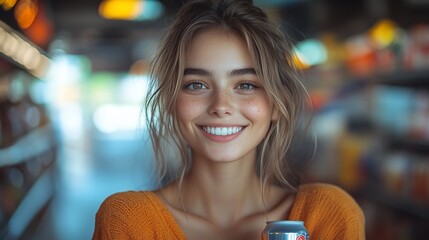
226 157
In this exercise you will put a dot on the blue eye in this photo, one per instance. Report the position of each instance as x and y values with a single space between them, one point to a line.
194 86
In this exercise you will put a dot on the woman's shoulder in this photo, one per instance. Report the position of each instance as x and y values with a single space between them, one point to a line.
321 190
325 196
328 210
135 213
130 203
130 197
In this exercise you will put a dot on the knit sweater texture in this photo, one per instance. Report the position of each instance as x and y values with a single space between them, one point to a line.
328 212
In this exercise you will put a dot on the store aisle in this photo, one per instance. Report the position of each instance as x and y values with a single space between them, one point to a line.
87 177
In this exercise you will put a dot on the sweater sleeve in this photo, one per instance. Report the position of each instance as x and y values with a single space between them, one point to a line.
134 215
110 221
328 212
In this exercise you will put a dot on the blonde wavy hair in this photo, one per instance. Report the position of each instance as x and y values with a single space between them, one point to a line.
272 54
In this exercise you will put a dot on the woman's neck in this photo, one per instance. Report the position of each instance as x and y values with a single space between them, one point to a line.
223 193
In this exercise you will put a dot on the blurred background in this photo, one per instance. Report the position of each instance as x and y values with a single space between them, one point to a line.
72 82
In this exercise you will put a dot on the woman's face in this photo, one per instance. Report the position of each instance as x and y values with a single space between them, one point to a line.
222 110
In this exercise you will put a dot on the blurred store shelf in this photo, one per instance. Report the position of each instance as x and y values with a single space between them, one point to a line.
28 146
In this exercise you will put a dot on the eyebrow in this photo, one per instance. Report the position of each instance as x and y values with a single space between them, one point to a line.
242 71
196 71
233 73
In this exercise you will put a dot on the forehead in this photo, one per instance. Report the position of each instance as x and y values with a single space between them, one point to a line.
213 35
217 45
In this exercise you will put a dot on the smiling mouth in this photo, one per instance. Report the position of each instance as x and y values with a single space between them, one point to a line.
222 131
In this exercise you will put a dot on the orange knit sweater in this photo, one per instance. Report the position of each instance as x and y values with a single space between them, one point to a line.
327 211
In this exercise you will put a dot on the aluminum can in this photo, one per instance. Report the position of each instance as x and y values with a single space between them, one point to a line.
285 230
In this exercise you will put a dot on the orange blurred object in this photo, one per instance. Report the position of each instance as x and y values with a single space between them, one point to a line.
25 13
120 9
41 31
7 4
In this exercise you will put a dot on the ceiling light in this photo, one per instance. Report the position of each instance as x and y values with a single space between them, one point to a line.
137 10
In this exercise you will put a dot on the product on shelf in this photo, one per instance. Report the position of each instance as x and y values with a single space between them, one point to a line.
27 151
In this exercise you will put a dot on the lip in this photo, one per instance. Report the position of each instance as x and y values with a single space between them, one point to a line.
220 138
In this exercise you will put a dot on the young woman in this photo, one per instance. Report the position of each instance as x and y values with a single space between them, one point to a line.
227 96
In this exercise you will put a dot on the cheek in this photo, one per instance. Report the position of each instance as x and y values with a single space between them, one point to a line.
257 109
187 108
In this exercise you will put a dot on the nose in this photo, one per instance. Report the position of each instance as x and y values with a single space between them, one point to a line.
221 103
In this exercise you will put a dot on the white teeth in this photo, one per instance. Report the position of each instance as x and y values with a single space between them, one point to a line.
222 131
218 131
